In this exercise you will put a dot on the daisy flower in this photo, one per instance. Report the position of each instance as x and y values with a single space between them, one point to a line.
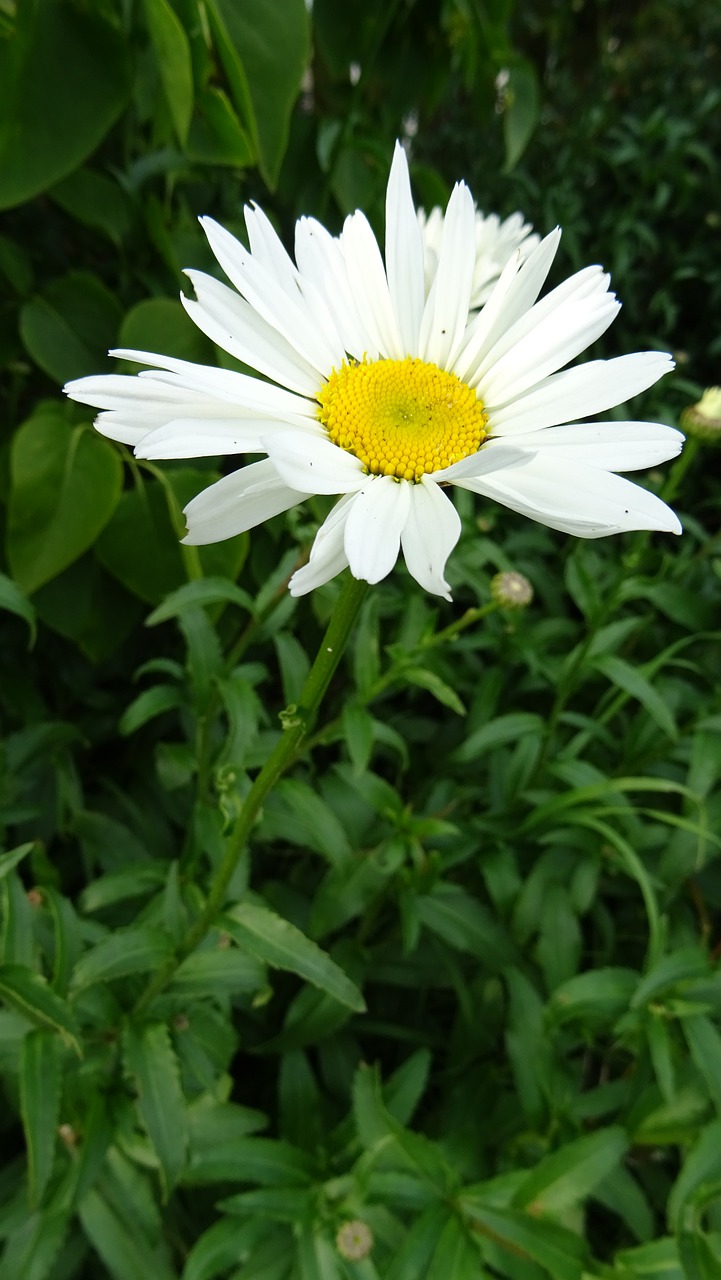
386 387
496 242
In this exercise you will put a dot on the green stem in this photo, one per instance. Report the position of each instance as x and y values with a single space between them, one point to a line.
297 721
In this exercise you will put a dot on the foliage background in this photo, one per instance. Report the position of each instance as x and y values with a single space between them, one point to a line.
505 828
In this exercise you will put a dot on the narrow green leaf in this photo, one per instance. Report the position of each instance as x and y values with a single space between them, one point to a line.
40 1077
282 946
227 970
566 1177
123 1248
704 1041
30 994
701 1170
11 859
194 594
15 601
633 682
521 109
172 52
267 1161
455 1254
452 914
441 691
417 1249
137 949
34 1246
148 705
599 996
221 1248
561 1252
497 733
151 1060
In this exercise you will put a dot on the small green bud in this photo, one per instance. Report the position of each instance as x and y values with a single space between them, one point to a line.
703 420
354 1240
511 590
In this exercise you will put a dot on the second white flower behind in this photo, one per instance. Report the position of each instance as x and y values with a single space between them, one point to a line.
385 385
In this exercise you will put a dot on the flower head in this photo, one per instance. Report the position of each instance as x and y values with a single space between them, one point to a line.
703 420
383 384
496 243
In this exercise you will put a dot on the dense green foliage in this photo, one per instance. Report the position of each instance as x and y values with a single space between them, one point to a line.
465 987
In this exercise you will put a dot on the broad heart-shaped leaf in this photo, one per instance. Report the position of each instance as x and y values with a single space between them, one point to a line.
68 329
282 946
65 485
141 548
88 606
161 324
63 82
151 1061
272 43
40 1078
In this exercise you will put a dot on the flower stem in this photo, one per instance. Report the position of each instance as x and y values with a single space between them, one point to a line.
297 721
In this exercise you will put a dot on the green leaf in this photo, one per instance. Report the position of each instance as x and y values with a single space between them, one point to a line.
272 43
317 1255
150 1059
699 1177
194 594
216 134
561 1252
441 691
161 324
140 948
657 1260
11 859
219 1249
452 914
96 200
704 1041
15 601
122 1246
65 485
295 813
564 1179
222 970
33 1248
417 1248
521 109
277 942
67 331
267 1161
599 996
149 704
30 994
40 1078
63 83
172 53
455 1254
631 681
497 733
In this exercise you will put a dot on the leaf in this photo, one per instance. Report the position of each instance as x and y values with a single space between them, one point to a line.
704 1041
172 55
455 1254
65 485
63 82
95 200
564 1179
30 994
272 43
161 324
224 970
267 1161
599 996
441 691
194 594
219 1249
216 134
68 329
521 109
417 1248
561 1252
497 733
33 1248
631 681
295 813
150 1059
277 942
452 914
140 948
40 1078
15 601
11 859
122 1246
149 704
699 1175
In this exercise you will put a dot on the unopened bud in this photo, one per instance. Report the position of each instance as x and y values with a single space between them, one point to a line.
511 590
703 420
354 1240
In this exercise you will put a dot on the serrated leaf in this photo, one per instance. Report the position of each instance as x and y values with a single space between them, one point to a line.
151 1060
30 994
137 949
282 946
40 1077
564 1178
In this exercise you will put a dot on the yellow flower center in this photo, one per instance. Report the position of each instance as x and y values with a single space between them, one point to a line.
402 418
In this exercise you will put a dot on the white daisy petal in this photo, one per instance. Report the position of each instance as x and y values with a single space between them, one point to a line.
208 437
268 249
373 529
320 258
491 457
446 311
367 279
404 253
314 463
587 389
576 499
429 535
282 308
229 321
238 502
327 557
612 446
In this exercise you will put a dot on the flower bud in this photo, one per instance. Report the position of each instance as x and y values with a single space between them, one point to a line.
703 420
511 590
354 1240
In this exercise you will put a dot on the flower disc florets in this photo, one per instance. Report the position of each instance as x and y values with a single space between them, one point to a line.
403 418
